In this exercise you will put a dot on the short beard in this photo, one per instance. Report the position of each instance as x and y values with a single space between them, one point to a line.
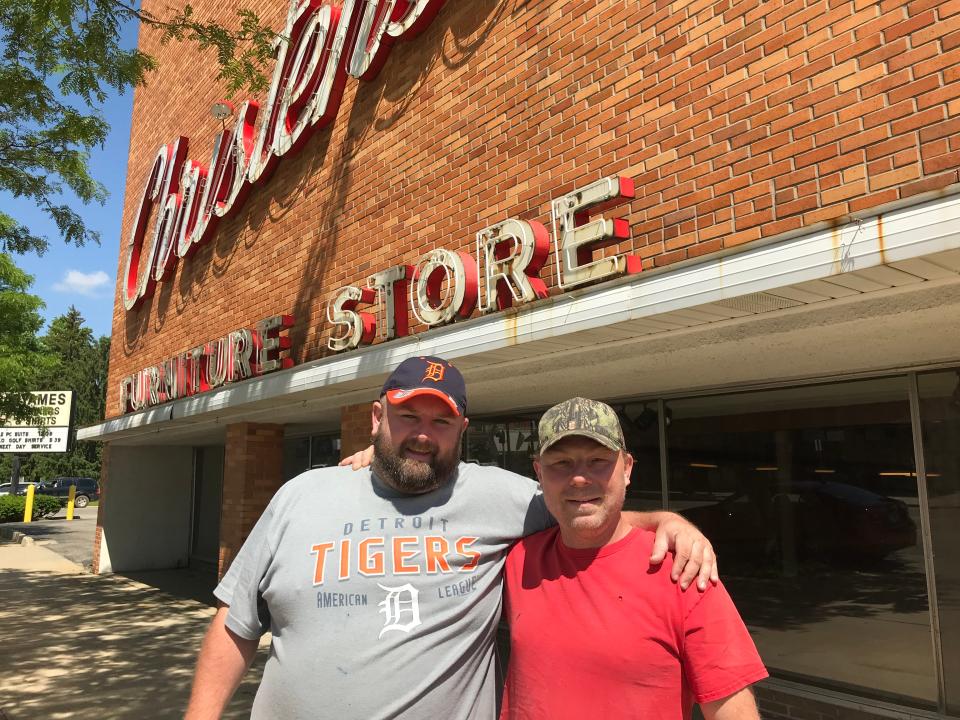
412 476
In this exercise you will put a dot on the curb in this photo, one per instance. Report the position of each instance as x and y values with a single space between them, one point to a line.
15 536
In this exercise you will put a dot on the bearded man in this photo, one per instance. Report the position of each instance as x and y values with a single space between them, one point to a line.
382 588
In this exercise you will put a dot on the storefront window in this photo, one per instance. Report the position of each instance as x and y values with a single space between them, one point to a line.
303 453
641 431
810 497
324 451
296 457
940 421
509 444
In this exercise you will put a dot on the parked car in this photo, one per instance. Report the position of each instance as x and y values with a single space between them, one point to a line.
87 489
7 488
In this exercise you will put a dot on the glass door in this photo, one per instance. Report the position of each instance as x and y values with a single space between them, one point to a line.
207 497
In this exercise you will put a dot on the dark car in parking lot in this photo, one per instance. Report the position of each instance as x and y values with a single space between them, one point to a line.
87 489
7 488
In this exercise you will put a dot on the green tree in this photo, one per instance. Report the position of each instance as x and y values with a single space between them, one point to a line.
76 361
80 365
58 60
24 360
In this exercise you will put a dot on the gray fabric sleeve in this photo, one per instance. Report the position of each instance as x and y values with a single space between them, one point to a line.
240 587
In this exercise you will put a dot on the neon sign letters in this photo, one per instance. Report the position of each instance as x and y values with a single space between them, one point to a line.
236 356
445 286
324 44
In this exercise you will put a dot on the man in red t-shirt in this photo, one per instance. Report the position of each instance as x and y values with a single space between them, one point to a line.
595 630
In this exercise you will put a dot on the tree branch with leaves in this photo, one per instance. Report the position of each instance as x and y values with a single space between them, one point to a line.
24 360
58 61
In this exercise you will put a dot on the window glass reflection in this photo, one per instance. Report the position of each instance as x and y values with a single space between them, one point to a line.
641 432
940 419
510 444
809 495
324 451
296 457
303 453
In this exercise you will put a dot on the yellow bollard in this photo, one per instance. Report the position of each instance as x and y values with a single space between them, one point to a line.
71 494
28 507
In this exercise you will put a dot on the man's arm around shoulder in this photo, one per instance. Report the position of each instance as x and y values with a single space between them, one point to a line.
224 658
739 706
694 558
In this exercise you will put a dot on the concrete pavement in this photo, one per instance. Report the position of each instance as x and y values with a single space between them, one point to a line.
73 540
75 645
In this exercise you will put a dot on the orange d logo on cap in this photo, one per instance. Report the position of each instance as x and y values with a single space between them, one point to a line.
434 372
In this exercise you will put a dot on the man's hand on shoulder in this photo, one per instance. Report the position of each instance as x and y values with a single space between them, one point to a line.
360 459
693 555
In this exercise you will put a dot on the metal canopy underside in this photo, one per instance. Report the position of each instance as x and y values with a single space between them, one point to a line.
880 293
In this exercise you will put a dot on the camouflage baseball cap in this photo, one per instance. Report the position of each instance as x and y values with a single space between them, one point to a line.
579 416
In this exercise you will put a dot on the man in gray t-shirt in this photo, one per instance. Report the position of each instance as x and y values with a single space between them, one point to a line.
382 588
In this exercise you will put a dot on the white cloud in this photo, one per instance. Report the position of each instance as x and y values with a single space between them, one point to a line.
81 283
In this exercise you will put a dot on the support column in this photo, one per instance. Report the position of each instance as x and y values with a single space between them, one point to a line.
253 472
98 533
354 428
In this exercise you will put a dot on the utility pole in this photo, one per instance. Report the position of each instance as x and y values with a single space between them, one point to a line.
15 475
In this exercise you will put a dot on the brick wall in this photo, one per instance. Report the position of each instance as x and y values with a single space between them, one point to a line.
354 428
739 121
253 470
776 703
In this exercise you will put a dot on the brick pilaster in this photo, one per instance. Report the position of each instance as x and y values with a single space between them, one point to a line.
354 428
253 471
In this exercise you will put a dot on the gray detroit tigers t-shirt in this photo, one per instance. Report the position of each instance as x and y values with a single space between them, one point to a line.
381 604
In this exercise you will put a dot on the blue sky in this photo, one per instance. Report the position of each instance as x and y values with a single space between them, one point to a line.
85 277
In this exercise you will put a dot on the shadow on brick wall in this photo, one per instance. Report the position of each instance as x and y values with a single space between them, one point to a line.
377 105
320 177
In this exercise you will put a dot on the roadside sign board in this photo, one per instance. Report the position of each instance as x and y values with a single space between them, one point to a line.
52 435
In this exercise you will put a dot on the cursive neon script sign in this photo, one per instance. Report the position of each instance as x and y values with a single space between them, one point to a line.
322 45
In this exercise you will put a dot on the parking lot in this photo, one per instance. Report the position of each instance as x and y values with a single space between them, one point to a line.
73 539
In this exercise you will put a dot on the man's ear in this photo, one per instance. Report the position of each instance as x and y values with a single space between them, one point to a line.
376 417
536 469
627 467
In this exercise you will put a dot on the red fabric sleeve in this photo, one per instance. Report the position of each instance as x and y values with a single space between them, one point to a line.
719 657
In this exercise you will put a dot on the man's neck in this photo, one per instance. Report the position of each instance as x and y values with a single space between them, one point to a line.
609 534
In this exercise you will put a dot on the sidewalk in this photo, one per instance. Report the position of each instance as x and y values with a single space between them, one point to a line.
75 645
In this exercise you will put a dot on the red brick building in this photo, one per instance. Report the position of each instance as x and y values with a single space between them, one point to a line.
770 300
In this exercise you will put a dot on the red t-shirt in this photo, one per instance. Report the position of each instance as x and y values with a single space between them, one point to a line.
600 633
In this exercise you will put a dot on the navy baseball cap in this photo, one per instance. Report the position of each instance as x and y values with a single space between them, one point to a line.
427 375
